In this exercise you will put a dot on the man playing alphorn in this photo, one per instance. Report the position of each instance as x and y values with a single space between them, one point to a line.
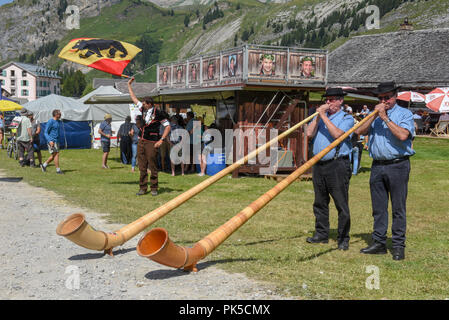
332 173
390 146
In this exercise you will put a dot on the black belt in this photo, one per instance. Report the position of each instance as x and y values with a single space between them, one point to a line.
392 161
328 161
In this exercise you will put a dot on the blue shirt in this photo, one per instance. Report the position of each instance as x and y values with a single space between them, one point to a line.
323 138
383 145
107 129
52 130
136 133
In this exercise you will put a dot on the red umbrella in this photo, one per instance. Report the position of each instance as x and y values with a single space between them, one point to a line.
411 96
438 100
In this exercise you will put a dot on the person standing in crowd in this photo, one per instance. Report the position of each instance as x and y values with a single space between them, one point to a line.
51 134
390 145
24 139
106 133
2 129
35 132
150 140
135 133
164 149
357 148
198 133
124 140
189 127
332 173
174 140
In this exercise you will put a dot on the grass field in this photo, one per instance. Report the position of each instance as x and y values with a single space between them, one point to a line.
271 246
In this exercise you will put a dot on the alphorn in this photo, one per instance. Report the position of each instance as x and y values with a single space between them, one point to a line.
77 229
157 246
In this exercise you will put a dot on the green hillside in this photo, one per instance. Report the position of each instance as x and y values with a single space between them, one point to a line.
180 32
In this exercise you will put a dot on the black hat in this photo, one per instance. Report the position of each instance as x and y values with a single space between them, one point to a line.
334 92
385 87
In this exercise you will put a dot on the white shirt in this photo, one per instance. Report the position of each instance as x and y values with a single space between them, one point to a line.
150 117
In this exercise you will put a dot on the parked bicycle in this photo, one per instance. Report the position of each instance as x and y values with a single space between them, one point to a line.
12 150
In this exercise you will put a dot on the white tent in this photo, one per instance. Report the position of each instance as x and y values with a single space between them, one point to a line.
118 111
71 109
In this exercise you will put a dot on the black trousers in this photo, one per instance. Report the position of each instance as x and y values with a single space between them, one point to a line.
389 181
332 180
26 146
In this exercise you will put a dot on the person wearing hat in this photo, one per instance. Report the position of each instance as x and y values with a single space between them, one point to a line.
390 145
106 133
150 140
51 134
332 173
24 138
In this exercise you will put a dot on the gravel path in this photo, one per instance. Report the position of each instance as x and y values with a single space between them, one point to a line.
35 263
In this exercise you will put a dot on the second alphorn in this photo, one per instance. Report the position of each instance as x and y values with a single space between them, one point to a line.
157 246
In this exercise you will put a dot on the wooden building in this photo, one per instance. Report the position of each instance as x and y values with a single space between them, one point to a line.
253 89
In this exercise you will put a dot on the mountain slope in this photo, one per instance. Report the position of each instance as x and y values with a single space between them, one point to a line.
189 27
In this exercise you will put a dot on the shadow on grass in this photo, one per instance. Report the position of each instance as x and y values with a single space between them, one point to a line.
316 255
167 274
99 255
268 240
364 236
168 190
11 179
67 171
364 169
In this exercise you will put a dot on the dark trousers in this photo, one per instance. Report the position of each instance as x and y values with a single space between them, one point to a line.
389 181
27 147
332 180
147 158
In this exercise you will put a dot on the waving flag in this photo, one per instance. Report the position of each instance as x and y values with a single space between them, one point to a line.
110 56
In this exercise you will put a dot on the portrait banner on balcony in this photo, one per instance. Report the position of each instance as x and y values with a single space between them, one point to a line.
194 73
211 71
267 64
179 75
232 67
305 66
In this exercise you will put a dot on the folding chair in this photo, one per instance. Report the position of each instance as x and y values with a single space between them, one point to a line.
440 128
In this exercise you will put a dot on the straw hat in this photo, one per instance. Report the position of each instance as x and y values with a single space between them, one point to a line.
107 116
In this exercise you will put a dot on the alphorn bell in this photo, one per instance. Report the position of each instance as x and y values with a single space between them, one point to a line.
157 246
77 229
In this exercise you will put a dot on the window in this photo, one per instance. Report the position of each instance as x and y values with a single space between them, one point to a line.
13 82
54 89
4 73
25 83
25 92
13 92
24 73
2 82
13 73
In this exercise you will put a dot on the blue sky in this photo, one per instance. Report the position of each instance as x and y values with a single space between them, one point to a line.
4 1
